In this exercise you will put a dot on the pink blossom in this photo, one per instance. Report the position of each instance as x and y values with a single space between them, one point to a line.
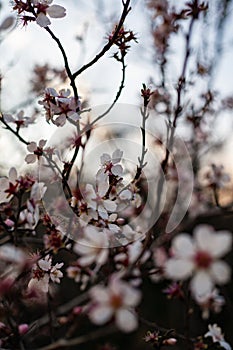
117 299
93 247
60 106
36 151
8 186
198 258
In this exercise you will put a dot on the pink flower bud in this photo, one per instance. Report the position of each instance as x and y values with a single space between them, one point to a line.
9 223
77 310
23 328
2 325
120 221
170 341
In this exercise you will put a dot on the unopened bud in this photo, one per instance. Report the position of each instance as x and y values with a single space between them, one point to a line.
120 221
23 328
170 341
77 310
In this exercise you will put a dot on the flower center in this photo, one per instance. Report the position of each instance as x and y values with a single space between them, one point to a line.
38 273
116 301
203 259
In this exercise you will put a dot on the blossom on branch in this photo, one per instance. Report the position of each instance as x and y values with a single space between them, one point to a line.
60 106
215 333
116 300
36 151
42 273
40 10
198 257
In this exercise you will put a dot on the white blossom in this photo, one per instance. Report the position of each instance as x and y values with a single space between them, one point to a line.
36 151
5 183
198 257
215 333
93 247
118 299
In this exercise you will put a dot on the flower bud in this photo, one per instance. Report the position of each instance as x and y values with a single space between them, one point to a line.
23 328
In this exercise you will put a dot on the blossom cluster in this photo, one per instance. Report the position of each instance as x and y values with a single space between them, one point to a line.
38 10
94 251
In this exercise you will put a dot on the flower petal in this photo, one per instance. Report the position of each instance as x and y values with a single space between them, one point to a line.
56 11
12 174
182 246
105 158
116 156
132 296
99 294
30 158
201 283
178 269
126 321
110 205
42 20
102 257
32 147
203 235
222 243
117 170
220 272
100 314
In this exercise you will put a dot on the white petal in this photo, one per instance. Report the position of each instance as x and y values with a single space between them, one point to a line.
126 194
56 11
41 285
220 272
102 212
42 143
42 20
105 158
30 158
221 243
102 257
4 184
8 118
117 170
203 235
131 296
182 246
37 191
100 314
178 269
87 260
113 228
74 116
32 146
126 321
12 175
7 23
225 345
110 205
102 185
61 120
201 283
51 91
116 156
99 294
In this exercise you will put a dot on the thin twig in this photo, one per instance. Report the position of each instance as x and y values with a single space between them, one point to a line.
111 41
121 87
61 310
67 67
13 131
65 343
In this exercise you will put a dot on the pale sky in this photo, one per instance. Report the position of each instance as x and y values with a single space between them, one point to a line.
24 47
